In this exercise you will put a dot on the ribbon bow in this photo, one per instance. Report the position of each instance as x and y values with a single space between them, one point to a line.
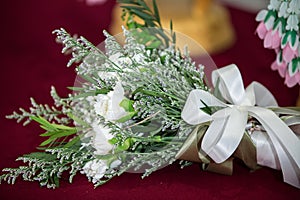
228 124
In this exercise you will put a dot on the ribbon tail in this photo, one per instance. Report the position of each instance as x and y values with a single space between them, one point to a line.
190 151
190 148
225 167
224 134
246 151
295 111
290 170
286 143
264 146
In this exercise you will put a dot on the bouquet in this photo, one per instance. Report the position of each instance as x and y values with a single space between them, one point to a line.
142 104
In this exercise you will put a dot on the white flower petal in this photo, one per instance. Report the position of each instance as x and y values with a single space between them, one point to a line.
100 140
270 23
292 22
115 163
95 169
108 106
283 10
261 15
294 7
274 5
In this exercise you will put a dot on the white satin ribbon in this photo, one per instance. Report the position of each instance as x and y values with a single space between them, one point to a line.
228 124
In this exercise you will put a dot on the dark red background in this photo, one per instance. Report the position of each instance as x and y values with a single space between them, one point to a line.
31 62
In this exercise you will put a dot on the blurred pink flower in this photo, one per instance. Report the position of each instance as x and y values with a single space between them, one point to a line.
94 2
261 30
276 39
288 53
272 39
281 67
291 81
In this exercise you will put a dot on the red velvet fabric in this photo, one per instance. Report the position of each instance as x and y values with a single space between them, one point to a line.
31 62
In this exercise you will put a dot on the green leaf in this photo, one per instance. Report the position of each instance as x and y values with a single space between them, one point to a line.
47 134
75 88
46 142
58 134
64 133
126 144
206 109
127 105
62 127
156 12
128 7
294 66
78 120
43 122
72 142
293 38
152 128
280 21
285 39
127 117
89 79
56 181
172 33
144 5
55 136
270 14
41 156
86 94
113 141
151 93
142 15
139 89
280 55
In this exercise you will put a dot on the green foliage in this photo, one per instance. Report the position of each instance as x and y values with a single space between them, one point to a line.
144 32
47 167
55 132
140 9
80 47
55 113
156 77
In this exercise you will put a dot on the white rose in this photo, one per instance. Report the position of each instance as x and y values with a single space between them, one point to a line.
95 170
100 139
108 106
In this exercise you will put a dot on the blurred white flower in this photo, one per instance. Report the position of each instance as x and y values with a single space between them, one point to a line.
274 5
294 7
115 164
95 170
292 22
261 15
283 10
108 106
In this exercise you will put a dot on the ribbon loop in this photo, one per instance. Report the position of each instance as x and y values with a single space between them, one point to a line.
228 124
222 137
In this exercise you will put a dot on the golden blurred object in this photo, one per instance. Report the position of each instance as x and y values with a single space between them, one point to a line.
206 21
